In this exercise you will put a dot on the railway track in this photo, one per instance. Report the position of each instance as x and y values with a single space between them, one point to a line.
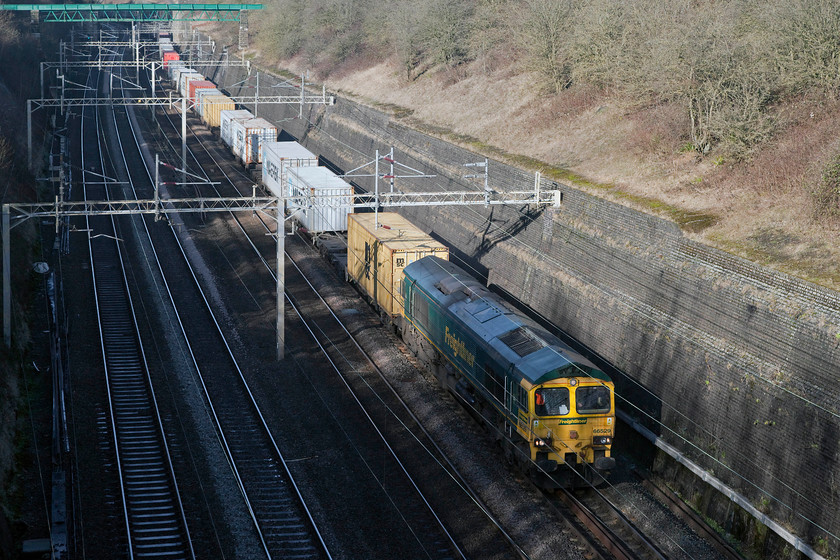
148 486
634 519
348 351
610 526
272 498
421 517
156 526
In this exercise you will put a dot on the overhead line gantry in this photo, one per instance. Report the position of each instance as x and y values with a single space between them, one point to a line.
33 104
133 12
16 213
138 13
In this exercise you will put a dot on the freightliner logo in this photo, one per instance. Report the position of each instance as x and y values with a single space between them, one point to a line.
458 348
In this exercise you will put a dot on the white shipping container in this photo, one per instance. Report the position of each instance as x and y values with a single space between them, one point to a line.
184 82
177 71
199 96
173 68
225 120
248 136
276 157
180 74
318 215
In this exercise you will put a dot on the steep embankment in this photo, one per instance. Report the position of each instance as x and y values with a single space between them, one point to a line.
631 136
23 391
760 209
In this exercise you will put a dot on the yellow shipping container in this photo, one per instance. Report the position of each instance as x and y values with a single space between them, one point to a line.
376 257
215 104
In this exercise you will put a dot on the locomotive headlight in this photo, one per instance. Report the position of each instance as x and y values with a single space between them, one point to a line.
572 381
601 440
544 442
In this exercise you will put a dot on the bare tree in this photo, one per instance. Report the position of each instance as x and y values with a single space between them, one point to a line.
446 31
724 61
599 46
280 30
544 34
801 36
490 28
405 22
334 28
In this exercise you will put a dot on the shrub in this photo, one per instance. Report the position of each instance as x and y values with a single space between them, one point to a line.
826 195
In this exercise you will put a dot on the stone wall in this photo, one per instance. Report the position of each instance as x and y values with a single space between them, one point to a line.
733 363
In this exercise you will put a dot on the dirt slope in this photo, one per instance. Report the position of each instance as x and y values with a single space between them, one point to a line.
761 209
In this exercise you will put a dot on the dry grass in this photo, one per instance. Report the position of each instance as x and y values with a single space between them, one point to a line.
760 209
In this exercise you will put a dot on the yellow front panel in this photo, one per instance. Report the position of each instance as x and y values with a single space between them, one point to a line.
560 428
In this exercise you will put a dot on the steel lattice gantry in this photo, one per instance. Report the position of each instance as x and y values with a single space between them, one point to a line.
134 12
19 212
32 104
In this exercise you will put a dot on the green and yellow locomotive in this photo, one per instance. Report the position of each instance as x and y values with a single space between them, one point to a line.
551 406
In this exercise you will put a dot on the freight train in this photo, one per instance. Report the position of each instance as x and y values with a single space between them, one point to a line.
288 169
549 405
240 130
552 410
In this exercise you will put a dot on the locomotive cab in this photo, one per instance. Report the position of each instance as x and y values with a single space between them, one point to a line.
572 423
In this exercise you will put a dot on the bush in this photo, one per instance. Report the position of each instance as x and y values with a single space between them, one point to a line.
826 195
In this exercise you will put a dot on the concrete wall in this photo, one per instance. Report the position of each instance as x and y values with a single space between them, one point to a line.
733 363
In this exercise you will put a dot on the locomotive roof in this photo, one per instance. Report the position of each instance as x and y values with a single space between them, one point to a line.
536 354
